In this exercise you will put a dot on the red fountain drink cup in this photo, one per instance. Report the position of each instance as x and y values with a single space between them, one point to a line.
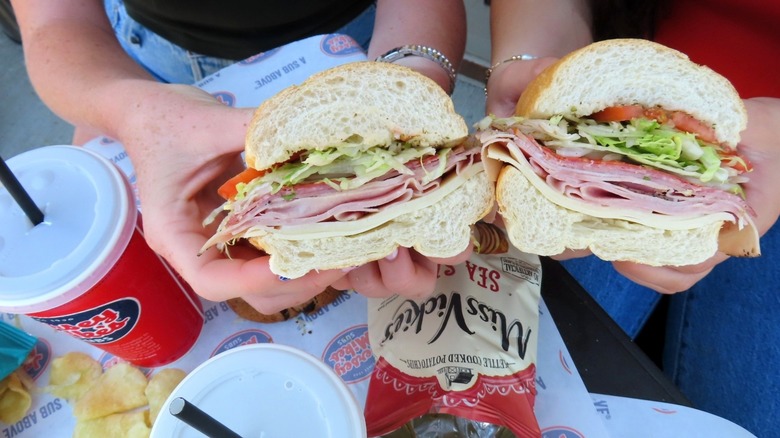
87 270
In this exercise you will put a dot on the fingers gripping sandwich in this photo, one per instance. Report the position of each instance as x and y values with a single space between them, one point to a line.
351 164
627 148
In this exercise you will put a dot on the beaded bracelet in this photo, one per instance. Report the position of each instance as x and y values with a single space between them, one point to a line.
425 52
521 57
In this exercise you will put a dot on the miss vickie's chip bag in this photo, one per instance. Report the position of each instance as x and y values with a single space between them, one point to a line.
469 350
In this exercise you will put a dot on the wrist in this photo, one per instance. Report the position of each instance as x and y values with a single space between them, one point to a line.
421 58
508 81
119 103
520 57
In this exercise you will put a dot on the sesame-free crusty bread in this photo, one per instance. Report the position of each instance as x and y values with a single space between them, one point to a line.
442 229
612 73
241 308
538 226
367 104
635 71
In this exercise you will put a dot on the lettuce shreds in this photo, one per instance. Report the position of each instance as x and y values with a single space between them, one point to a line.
641 140
344 167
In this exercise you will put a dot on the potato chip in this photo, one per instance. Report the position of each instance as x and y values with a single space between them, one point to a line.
123 425
119 389
161 385
72 375
15 401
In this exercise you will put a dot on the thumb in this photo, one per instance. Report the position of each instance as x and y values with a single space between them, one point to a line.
229 128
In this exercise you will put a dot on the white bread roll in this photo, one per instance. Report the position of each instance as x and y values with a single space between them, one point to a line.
442 229
369 104
366 103
538 226
602 75
634 71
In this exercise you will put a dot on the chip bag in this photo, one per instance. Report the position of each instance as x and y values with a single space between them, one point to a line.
469 350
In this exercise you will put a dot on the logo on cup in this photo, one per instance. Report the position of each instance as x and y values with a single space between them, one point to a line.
349 354
245 337
38 359
100 325
340 45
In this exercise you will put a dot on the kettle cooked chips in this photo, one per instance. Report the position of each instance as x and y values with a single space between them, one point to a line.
15 400
119 389
72 375
126 424
118 403
160 386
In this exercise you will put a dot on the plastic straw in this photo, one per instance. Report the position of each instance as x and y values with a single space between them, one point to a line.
201 421
21 197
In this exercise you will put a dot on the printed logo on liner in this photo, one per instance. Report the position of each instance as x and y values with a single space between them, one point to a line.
561 432
246 337
225 97
349 354
339 45
260 57
38 359
107 360
100 325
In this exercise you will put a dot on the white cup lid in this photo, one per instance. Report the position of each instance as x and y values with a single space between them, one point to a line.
86 207
267 390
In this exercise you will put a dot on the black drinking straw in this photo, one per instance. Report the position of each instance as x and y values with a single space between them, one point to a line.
201 421
19 194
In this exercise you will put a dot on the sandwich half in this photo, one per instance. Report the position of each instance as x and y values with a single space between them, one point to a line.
626 148
351 164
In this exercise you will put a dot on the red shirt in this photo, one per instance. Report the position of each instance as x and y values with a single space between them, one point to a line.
739 39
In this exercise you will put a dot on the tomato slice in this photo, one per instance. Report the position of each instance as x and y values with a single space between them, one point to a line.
228 189
686 122
618 113
682 121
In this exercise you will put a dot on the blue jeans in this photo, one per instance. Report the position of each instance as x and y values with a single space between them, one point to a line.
170 63
722 344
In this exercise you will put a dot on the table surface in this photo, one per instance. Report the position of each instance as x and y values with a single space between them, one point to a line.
606 358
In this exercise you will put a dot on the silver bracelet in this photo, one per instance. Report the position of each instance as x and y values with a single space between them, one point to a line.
521 57
425 52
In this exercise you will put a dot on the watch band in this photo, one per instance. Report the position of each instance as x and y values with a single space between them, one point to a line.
425 52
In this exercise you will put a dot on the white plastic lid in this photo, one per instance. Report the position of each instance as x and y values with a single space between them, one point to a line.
269 391
88 220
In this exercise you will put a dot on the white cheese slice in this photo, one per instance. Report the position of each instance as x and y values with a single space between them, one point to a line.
348 228
733 240
503 154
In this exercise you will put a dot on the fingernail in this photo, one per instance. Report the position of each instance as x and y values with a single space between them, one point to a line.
351 268
392 255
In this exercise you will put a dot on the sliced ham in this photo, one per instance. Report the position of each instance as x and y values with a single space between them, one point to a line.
315 202
619 184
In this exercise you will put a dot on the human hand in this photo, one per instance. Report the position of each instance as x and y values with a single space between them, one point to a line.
184 144
405 272
760 147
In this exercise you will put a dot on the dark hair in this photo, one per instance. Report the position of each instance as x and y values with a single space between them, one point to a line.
624 18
